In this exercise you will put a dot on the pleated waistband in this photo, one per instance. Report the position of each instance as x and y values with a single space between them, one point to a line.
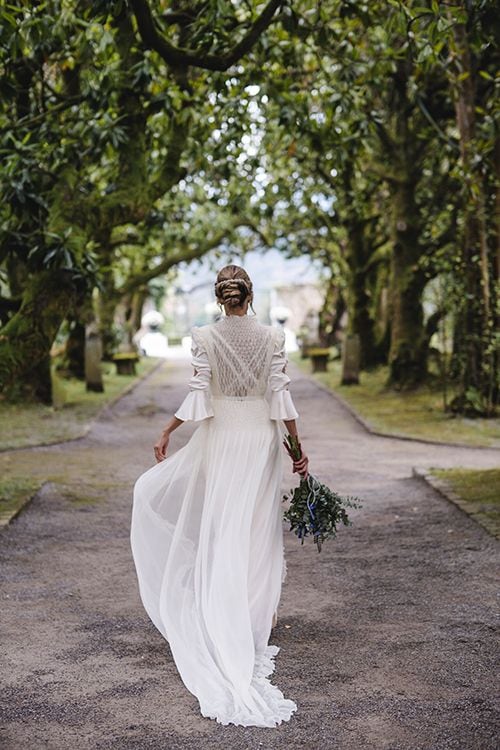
240 412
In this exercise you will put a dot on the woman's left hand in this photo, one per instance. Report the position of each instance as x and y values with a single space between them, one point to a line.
161 446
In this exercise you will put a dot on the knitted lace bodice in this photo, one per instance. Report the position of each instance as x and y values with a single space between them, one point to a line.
239 349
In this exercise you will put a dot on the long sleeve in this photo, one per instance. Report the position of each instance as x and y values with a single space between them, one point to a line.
198 403
281 405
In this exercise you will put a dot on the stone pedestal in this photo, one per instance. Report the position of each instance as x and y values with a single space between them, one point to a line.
125 363
93 356
319 359
350 360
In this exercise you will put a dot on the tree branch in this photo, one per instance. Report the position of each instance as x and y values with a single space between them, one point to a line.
125 241
385 174
179 255
384 136
179 57
9 305
432 324
174 17
324 174
29 121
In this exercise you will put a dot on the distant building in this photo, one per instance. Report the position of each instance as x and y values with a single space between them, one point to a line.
304 302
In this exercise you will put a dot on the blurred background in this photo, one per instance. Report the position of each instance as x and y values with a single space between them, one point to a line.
344 153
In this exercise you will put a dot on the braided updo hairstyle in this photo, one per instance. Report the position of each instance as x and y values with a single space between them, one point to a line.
233 287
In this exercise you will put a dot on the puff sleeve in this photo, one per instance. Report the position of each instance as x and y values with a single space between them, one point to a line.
281 404
198 403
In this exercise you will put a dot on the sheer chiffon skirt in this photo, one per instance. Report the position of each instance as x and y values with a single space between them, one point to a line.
207 542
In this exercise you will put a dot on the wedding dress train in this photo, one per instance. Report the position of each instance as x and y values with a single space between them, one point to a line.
207 535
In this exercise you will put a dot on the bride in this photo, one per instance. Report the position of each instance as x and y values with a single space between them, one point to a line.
207 536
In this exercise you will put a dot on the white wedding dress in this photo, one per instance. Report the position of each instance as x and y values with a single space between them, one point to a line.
207 535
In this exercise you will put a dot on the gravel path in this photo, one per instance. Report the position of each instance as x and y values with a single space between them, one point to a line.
388 636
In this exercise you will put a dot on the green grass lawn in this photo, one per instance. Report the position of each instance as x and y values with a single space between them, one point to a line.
479 491
25 425
14 493
416 414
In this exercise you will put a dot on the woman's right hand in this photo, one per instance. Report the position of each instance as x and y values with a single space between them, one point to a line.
160 447
301 465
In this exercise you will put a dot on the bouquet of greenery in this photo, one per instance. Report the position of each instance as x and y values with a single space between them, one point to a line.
314 509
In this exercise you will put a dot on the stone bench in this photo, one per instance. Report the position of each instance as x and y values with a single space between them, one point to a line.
125 363
319 358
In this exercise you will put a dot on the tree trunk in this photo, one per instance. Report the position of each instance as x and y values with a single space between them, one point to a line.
382 325
329 316
350 360
475 359
361 227
360 320
404 149
408 347
93 357
106 310
26 340
74 356
134 313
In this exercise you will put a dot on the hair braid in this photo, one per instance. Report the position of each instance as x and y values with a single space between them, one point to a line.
233 286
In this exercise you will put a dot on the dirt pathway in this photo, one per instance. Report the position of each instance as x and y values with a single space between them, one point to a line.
387 636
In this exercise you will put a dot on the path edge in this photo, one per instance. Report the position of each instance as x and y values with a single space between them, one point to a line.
443 488
395 435
108 405
7 518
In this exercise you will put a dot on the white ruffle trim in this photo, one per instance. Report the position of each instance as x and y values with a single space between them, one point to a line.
196 406
264 706
282 406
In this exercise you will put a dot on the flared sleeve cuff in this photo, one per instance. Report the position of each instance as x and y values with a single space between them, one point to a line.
198 403
282 406
196 406
281 403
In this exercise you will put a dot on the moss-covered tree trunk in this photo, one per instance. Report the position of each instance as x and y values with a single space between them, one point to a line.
359 302
26 340
360 223
134 313
405 149
74 355
106 315
475 352
331 312
408 344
